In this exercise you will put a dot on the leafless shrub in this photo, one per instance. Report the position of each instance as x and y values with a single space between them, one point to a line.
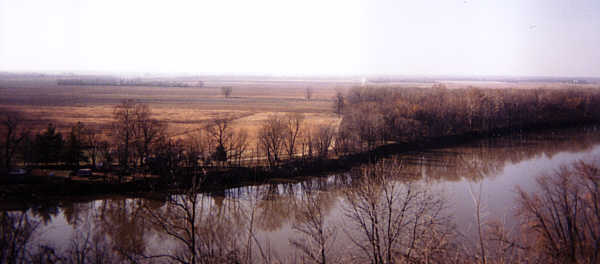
395 221
16 235
564 216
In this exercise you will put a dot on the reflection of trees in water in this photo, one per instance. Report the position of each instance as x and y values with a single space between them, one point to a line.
45 211
121 220
193 230
317 236
275 207
20 242
223 226
16 232
487 158
73 211
88 244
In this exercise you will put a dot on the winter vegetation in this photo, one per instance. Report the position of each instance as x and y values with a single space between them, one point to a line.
390 215
388 220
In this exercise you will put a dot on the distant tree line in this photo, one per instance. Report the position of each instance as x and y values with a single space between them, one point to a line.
127 82
377 116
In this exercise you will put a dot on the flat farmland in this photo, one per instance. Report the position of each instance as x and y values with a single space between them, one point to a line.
41 101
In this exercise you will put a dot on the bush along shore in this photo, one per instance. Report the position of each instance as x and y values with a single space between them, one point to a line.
137 154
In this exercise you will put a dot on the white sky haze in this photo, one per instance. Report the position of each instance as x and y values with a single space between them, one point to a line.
472 37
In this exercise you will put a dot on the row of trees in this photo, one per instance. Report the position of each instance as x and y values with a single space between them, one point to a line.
370 117
374 116
280 138
137 141
227 90
128 82
46 147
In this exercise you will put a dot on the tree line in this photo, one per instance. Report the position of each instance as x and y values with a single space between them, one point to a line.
376 116
127 82
46 147
136 142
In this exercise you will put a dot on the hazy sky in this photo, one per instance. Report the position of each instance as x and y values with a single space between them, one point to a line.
472 37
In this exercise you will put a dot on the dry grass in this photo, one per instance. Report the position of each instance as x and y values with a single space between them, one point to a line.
187 109
42 101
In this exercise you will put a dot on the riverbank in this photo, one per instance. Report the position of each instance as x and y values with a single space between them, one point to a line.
45 190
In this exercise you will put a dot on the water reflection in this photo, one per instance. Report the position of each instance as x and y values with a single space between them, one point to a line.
291 221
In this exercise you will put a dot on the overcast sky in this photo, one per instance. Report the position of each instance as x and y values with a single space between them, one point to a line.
418 37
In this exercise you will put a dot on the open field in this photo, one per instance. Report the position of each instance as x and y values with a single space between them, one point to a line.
376 112
185 109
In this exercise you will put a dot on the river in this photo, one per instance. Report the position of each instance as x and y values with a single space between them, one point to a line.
271 216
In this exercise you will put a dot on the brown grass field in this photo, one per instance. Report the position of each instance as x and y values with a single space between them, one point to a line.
187 109
42 101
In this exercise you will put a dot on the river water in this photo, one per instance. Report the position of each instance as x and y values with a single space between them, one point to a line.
488 171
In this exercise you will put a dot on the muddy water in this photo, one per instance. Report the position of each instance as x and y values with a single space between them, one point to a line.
489 170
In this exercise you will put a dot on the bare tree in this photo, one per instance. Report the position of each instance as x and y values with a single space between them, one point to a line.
222 134
323 139
395 222
271 138
135 132
564 216
308 93
92 142
201 144
365 122
293 123
105 154
123 129
75 146
338 103
226 91
147 131
345 142
12 133
238 146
